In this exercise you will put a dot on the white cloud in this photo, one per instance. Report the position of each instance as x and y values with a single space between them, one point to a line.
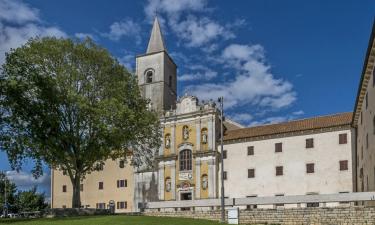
197 32
298 113
271 120
253 83
126 28
25 180
128 60
173 8
85 35
241 117
15 11
18 23
202 75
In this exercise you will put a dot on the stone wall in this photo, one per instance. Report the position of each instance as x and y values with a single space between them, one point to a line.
356 215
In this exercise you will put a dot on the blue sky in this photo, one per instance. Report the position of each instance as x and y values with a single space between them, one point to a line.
272 60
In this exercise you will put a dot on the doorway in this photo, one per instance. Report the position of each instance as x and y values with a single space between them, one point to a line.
184 197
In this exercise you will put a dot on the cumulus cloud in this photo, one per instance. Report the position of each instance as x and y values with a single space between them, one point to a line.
18 23
241 117
196 32
173 8
207 74
253 82
25 180
15 11
125 28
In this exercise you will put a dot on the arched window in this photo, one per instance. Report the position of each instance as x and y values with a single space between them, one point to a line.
204 136
149 76
185 160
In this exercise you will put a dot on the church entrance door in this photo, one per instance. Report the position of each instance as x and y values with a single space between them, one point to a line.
184 197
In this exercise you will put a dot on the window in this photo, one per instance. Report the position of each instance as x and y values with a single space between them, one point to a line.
361 117
81 187
225 176
373 76
310 168
343 165
122 205
343 139
367 141
64 188
250 173
250 150
122 164
224 154
310 143
149 76
373 124
122 183
170 81
366 100
185 160
100 205
279 170
278 147
101 185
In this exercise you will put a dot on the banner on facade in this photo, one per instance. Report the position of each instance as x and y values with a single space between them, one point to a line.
185 176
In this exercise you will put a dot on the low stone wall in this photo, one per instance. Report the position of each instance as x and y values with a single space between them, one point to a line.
356 215
68 212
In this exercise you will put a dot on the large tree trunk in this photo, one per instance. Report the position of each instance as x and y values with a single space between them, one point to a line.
76 199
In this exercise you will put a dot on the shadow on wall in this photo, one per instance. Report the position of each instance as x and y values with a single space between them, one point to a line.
151 194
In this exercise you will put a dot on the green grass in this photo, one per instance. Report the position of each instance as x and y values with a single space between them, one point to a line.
111 220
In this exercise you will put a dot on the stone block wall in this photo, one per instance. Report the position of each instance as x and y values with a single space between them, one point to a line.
354 215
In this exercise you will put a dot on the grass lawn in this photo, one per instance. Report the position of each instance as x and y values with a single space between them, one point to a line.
112 220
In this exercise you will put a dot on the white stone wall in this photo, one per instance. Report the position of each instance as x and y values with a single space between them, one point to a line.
366 155
326 154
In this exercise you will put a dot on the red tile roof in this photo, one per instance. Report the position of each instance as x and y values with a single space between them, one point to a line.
335 120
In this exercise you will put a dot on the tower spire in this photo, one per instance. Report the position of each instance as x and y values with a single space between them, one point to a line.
156 42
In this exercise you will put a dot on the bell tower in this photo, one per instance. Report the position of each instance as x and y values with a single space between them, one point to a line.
157 73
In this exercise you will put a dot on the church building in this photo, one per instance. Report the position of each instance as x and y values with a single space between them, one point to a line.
321 155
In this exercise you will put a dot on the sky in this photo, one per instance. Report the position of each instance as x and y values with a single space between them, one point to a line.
273 61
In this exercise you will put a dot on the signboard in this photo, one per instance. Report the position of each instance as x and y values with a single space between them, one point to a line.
233 215
185 176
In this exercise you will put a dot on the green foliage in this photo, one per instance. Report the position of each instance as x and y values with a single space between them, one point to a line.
31 200
115 220
72 105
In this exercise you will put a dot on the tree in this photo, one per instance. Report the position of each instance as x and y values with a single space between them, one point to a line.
70 104
8 187
31 200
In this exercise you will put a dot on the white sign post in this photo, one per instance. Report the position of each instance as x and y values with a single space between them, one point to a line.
233 215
